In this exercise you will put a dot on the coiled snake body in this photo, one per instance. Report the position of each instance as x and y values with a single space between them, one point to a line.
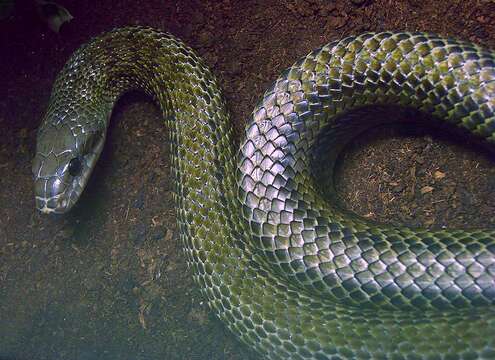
286 269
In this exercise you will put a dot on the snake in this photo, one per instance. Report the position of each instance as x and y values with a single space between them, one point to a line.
278 257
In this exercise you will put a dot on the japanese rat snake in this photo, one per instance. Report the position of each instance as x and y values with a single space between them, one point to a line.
281 263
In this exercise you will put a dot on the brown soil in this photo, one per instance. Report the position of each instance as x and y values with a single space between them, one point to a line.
109 279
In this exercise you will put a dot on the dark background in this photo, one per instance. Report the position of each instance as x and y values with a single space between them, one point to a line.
109 279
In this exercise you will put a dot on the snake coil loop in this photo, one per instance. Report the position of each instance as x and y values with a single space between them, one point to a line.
288 271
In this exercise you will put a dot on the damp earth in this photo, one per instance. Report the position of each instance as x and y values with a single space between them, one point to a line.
109 280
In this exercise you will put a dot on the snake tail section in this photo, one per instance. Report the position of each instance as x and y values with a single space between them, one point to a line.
288 271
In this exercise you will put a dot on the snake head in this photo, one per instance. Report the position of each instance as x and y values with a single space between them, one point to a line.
65 157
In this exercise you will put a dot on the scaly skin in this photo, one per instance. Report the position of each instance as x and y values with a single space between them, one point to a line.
288 271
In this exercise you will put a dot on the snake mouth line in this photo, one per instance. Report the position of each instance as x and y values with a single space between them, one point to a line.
50 205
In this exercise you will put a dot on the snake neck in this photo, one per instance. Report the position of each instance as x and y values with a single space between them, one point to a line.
144 59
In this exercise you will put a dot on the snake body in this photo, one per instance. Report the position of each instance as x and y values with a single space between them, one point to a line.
292 274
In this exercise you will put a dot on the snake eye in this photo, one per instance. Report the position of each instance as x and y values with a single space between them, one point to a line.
75 167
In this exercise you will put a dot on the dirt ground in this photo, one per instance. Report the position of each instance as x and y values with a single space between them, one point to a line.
109 281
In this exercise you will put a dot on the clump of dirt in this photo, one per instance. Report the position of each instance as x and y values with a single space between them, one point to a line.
110 280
